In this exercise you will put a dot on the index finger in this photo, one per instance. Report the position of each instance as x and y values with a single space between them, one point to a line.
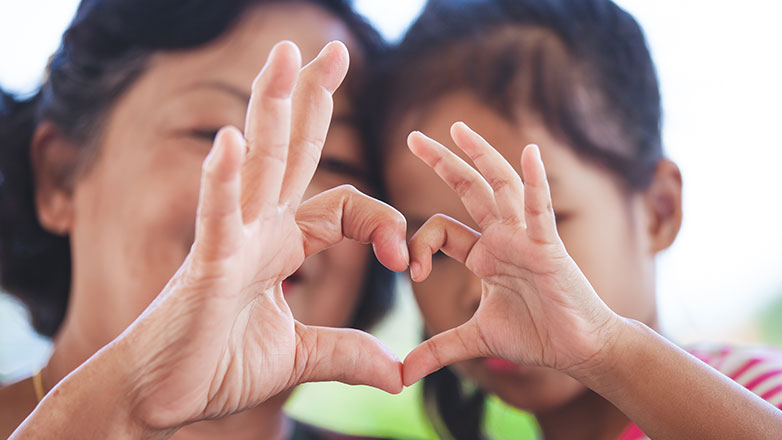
344 212
473 190
506 183
439 233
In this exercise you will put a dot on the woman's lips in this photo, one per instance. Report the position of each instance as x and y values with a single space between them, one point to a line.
497 365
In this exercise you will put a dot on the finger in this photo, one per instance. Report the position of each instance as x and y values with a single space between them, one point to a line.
348 356
454 345
440 232
345 212
219 220
312 110
504 180
475 193
538 210
268 129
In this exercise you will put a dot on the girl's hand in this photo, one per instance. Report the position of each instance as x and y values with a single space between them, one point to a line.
220 338
536 308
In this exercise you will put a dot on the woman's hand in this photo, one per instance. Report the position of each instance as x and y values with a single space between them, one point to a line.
220 337
536 308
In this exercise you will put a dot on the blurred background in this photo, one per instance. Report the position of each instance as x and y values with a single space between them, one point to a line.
721 280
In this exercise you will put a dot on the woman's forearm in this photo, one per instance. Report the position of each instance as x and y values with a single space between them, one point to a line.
670 394
91 402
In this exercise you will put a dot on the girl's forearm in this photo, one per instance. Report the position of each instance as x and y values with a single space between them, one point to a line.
670 394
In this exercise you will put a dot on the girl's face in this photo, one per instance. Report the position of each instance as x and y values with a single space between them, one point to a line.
602 227
133 212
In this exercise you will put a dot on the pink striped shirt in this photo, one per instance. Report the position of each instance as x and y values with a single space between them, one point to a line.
759 369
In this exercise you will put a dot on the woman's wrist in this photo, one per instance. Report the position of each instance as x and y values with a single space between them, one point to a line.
127 367
91 402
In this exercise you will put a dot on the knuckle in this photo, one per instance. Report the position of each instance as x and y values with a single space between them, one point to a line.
310 145
400 220
437 220
497 183
435 351
437 162
477 155
536 211
462 186
276 152
348 190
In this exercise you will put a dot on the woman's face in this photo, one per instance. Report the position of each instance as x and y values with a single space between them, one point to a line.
602 228
134 210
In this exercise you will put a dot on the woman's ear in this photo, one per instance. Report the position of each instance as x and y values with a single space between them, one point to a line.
53 159
663 201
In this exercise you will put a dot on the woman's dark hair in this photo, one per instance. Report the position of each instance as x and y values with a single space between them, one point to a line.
103 51
580 67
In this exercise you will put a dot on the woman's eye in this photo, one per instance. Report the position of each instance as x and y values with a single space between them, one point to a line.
560 217
206 134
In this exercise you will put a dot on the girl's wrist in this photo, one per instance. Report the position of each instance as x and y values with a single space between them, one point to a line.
610 342
624 341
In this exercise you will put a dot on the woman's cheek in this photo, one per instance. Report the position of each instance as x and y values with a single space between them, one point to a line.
170 230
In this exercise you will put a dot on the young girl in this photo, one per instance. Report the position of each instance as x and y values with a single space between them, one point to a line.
512 308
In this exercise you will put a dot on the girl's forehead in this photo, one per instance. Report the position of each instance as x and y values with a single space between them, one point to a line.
414 187
509 135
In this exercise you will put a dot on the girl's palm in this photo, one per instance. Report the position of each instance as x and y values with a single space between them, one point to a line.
536 306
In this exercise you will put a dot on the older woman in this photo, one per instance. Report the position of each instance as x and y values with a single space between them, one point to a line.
101 175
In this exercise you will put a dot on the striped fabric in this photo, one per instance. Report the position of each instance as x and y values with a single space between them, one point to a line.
759 369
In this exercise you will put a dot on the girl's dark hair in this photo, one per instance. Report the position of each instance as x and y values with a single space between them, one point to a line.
580 67
103 51
455 412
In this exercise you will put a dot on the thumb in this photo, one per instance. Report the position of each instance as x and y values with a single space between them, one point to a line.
346 355
454 345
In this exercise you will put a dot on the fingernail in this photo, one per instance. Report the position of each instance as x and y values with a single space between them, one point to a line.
415 271
269 58
535 150
464 126
405 252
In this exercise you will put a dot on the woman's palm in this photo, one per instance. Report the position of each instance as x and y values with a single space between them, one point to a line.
224 335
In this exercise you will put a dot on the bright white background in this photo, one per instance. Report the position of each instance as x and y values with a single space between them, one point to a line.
721 75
